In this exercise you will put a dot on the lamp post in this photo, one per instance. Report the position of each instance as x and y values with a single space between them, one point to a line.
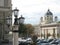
17 21
8 21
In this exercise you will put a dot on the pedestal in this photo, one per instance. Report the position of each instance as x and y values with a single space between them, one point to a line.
15 38
15 35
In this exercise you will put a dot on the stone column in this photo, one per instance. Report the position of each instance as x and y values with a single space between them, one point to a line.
15 35
46 34
41 33
15 38
54 33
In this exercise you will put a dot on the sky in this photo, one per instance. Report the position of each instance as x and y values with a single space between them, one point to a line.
32 10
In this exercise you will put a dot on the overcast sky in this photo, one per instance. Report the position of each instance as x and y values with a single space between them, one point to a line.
32 10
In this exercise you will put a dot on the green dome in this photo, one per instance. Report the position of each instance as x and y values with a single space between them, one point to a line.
49 12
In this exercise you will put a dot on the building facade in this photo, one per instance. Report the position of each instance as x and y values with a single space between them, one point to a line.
5 11
49 28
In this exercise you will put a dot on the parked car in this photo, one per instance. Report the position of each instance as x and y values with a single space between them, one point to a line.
21 41
49 40
25 41
54 42
58 40
42 42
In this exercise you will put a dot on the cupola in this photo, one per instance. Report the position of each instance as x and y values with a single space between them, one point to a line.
49 12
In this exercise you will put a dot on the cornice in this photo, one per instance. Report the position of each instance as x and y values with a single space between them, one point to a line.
50 25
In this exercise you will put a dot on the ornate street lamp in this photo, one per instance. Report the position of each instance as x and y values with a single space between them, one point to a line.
8 21
16 15
16 12
17 21
21 20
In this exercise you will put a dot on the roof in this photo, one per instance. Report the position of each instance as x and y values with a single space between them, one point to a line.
49 12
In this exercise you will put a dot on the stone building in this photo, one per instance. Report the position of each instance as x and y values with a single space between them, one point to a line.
5 10
49 28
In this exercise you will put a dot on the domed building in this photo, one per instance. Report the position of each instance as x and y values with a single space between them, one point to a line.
48 26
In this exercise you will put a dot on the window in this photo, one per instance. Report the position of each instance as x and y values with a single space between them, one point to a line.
5 3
